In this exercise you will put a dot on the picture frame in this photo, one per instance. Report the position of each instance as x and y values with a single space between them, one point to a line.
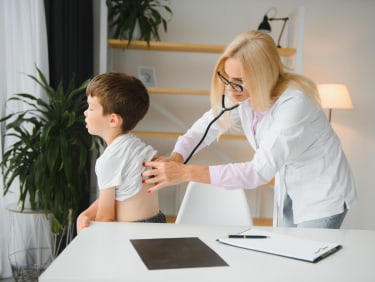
147 76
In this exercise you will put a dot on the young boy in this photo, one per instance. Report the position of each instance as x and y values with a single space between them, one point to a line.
116 103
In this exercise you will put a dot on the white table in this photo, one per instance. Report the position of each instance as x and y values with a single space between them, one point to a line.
103 252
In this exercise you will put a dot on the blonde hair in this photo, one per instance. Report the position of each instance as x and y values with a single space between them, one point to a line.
263 74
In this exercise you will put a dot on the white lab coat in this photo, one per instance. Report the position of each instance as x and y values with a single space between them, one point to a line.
294 143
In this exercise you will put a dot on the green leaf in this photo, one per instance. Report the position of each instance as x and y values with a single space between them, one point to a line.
123 15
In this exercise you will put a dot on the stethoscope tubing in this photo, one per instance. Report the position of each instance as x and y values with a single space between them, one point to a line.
223 110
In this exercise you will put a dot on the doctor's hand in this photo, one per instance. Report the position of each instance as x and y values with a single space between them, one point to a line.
176 157
164 173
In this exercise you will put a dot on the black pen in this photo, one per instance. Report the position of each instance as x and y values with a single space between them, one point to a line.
248 236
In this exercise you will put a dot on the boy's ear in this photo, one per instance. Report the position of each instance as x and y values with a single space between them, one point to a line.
115 120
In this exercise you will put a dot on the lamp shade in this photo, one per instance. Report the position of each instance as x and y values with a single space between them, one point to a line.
265 25
334 96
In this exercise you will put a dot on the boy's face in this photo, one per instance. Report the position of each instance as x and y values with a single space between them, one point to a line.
96 122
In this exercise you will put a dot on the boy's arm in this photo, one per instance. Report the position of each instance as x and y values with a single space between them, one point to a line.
85 217
103 209
106 209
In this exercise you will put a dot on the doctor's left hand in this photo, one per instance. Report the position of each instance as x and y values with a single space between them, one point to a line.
163 174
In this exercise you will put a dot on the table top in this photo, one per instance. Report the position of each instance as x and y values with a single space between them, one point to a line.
103 252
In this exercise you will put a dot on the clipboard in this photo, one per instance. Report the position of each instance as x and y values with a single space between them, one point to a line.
283 245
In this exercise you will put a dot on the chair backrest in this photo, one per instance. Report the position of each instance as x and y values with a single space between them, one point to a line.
210 204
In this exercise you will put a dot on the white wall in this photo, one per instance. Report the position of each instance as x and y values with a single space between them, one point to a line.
339 45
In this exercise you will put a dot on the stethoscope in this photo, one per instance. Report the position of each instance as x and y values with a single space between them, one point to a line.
223 110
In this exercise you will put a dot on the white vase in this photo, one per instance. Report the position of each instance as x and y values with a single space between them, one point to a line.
136 32
26 204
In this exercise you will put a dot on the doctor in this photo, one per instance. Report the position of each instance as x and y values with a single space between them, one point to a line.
282 119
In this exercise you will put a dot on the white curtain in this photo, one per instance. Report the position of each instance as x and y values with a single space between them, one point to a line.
23 47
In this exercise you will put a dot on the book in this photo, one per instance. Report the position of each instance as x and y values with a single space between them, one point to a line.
282 245
184 252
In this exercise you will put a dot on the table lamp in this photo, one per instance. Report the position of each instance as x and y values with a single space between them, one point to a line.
266 27
334 96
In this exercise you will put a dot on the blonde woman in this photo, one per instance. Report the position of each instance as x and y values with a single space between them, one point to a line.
282 119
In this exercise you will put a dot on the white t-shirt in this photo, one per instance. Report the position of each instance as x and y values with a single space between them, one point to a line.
120 165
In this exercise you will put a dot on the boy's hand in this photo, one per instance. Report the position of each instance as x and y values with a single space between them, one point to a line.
83 221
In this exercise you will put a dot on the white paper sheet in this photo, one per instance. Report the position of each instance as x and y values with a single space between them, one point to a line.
284 245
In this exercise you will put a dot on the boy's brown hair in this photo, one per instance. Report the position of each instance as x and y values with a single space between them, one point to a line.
120 94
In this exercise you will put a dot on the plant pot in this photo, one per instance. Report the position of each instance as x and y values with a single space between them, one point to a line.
136 32
26 204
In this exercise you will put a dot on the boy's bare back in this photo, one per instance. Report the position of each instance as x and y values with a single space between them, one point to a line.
141 206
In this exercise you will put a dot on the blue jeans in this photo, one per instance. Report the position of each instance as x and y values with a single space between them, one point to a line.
332 222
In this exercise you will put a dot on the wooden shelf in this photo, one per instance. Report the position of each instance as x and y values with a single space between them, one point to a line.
257 221
262 221
177 91
175 135
180 47
166 46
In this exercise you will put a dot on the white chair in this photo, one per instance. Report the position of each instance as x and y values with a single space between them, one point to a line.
210 204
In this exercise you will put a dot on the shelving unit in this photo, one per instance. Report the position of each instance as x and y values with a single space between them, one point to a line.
179 47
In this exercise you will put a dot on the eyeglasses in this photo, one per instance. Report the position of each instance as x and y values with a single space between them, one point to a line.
235 86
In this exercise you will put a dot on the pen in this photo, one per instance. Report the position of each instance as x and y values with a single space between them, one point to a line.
248 236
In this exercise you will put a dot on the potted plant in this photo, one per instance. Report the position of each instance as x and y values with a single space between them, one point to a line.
124 15
51 149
